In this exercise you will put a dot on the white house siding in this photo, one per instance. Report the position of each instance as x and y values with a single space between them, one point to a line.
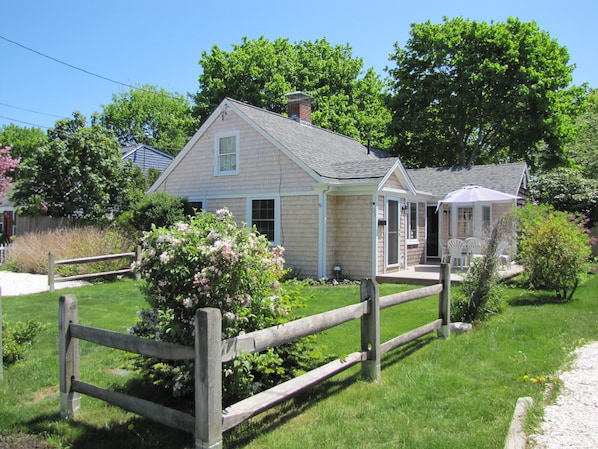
349 235
299 234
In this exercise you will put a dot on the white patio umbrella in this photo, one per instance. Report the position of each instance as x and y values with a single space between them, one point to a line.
473 194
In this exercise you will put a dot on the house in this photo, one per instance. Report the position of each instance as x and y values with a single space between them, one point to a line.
146 157
467 220
329 200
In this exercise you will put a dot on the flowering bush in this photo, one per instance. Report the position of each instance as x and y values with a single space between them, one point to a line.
554 248
210 262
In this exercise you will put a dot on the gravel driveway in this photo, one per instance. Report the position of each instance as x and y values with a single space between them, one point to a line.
15 284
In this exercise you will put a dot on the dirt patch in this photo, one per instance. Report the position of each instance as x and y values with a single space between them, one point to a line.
45 393
21 441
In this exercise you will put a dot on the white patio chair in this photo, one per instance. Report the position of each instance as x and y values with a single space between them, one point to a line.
504 259
457 251
475 248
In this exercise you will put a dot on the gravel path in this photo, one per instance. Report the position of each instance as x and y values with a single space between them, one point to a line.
15 284
572 422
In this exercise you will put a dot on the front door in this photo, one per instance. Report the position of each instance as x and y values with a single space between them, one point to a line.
432 232
392 233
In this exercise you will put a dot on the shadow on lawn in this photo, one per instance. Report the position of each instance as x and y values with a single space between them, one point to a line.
141 433
273 418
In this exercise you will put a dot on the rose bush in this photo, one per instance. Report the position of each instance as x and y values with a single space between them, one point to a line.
208 261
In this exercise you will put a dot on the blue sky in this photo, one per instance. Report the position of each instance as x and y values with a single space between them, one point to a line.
160 43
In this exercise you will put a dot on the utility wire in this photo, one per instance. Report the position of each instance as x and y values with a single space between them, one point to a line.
30 110
66 63
21 121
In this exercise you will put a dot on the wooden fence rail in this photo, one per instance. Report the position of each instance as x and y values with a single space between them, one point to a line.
52 279
210 351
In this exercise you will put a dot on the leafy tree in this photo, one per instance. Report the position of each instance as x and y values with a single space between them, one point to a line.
567 190
78 173
260 72
584 146
465 92
554 248
150 116
7 166
23 141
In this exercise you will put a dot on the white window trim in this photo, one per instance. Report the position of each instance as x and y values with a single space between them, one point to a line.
277 222
411 241
217 138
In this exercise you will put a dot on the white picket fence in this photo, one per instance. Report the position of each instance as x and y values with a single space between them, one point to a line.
3 252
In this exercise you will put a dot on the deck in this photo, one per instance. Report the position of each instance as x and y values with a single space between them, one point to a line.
429 274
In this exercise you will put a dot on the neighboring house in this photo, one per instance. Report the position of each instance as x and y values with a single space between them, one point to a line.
473 219
326 198
146 157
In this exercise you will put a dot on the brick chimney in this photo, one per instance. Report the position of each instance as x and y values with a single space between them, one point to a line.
299 106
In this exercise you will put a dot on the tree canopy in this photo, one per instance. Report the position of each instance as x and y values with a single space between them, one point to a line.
583 149
466 92
150 116
77 173
23 141
347 99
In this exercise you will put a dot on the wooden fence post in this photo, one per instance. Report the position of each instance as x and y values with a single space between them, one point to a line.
137 261
68 353
208 379
51 271
444 301
370 331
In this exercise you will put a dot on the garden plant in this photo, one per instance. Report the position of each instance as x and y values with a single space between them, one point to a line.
208 261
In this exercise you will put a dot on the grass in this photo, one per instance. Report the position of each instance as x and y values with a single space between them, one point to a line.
434 393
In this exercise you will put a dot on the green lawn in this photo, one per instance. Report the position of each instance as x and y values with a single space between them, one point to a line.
434 393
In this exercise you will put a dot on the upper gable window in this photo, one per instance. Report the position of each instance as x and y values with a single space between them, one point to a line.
226 148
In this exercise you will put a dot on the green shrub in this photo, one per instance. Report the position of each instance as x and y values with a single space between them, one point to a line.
554 248
158 209
17 338
29 253
210 262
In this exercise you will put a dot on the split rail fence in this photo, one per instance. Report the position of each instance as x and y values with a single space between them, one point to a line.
52 279
210 351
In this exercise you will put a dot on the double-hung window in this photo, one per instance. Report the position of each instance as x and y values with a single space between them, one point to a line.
465 221
263 217
412 221
226 149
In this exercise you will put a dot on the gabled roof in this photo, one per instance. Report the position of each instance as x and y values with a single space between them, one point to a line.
331 157
506 178
146 157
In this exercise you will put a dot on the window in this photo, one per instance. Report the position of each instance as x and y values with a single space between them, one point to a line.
412 221
393 232
486 220
263 217
226 153
465 221
194 206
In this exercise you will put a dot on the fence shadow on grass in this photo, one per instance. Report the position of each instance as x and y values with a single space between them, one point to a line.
135 433
270 420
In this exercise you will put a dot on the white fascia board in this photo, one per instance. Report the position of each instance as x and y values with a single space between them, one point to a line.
406 181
